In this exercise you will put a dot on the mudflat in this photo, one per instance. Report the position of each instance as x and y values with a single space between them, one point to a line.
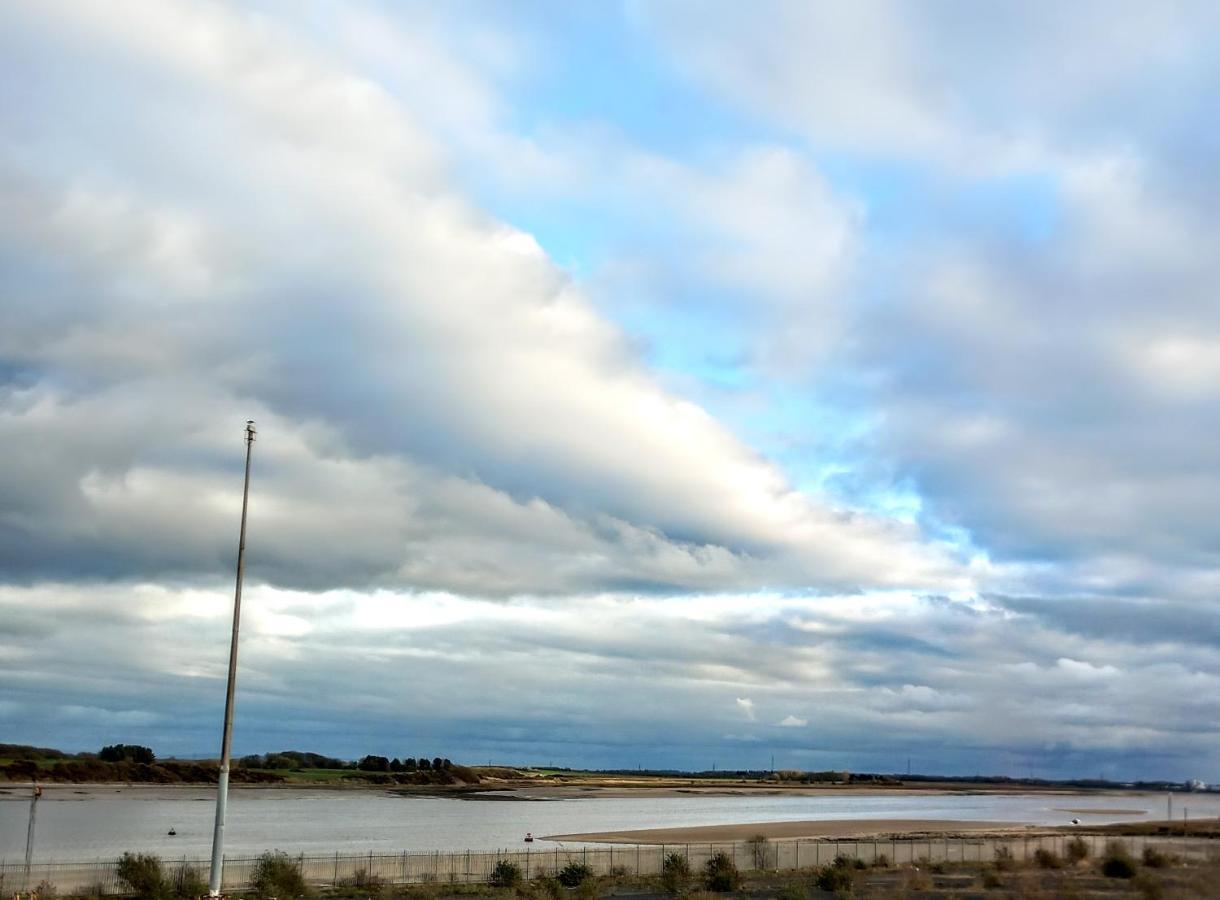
786 831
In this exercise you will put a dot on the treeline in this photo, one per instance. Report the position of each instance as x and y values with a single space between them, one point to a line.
70 770
293 759
132 763
371 769
25 751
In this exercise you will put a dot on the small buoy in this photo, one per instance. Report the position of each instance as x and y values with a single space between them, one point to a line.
529 837
1075 821
172 832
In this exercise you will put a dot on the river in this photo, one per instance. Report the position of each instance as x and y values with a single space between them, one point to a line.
97 822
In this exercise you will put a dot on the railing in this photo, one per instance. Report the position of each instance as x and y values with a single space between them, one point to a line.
469 866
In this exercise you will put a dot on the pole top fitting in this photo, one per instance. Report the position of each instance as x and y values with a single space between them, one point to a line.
250 429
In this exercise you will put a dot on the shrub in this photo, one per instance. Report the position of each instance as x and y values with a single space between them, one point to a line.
991 879
46 891
881 862
758 850
834 878
1157 859
721 872
1003 858
505 874
1117 862
550 886
189 882
142 874
1047 859
1077 849
366 880
276 874
574 874
675 873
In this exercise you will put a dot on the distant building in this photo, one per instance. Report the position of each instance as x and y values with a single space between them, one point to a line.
1195 785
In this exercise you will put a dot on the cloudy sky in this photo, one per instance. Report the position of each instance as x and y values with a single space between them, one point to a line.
637 383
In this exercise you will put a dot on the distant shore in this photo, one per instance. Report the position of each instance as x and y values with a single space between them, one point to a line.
532 790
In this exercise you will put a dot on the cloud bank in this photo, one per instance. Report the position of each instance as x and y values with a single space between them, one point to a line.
876 398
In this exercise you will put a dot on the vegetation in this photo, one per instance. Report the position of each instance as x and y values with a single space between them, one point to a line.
1003 859
1117 863
721 873
1077 849
505 874
1157 859
143 875
675 873
836 877
759 854
574 874
276 874
127 753
1047 859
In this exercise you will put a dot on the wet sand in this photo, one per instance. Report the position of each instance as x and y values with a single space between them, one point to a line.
787 830
1103 811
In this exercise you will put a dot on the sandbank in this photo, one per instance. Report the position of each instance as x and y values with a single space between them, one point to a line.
823 828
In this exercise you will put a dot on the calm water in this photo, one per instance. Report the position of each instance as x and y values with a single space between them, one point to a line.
101 822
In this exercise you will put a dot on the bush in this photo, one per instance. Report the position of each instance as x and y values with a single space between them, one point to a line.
366 880
574 874
1077 849
991 879
1117 862
505 874
276 874
1157 859
1047 859
721 872
758 851
46 891
675 873
142 874
881 862
1003 858
550 886
834 878
189 882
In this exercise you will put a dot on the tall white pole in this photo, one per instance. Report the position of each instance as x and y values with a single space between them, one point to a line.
29 833
226 740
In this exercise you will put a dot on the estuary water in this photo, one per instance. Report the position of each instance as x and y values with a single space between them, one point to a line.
99 822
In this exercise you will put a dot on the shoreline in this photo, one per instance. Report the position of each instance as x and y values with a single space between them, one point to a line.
812 829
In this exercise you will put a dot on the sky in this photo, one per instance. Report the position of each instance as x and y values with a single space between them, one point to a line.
659 384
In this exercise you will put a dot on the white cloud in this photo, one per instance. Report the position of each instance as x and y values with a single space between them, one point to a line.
791 721
746 705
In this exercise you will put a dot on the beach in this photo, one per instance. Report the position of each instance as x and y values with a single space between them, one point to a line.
786 831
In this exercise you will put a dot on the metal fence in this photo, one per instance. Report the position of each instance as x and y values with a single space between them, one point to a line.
465 867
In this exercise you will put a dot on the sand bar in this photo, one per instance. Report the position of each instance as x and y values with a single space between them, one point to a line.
822 828
1098 811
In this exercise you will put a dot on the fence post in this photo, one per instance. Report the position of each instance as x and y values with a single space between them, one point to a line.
637 860
527 863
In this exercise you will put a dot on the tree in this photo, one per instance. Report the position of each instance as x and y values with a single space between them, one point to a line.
396 764
409 764
438 764
424 764
127 753
374 764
